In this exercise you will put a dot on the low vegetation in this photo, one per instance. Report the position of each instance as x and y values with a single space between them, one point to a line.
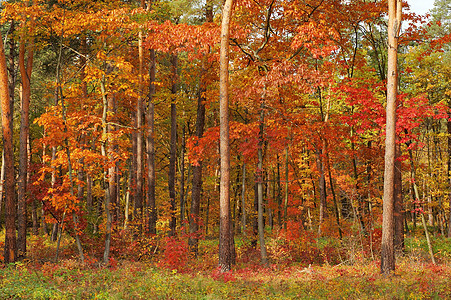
301 268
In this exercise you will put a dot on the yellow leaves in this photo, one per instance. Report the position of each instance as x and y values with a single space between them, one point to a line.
98 191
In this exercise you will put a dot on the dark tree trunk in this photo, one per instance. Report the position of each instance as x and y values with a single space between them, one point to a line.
322 188
449 172
10 254
197 169
182 179
261 225
25 71
139 138
151 205
173 148
398 213
197 172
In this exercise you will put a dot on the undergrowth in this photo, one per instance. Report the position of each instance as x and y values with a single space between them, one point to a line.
158 267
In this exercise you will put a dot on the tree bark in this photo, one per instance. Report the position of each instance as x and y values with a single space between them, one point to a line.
182 179
173 148
322 187
197 170
139 136
25 71
387 247
107 178
398 214
448 125
261 225
10 254
226 243
151 204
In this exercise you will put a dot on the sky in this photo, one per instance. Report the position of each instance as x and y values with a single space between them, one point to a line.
421 6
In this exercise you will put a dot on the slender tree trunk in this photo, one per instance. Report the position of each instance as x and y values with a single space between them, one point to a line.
34 217
10 254
243 200
387 246
398 213
226 243
59 95
139 136
322 188
182 179
151 204
173 148
2 179
285 206
417 198
107 179
334 196
113 167
197 170
127 188
25 71
261 226
279 195
448 125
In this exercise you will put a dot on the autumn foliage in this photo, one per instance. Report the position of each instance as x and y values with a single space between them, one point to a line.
307 88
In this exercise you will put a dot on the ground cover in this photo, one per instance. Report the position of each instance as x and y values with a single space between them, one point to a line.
356 276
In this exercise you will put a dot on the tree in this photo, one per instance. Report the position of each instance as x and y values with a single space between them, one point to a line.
387 247
226 243
25 71
10 254
197 169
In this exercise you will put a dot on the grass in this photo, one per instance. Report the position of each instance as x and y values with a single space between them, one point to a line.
290 276
128 280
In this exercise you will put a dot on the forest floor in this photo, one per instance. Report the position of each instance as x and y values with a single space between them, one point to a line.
172 276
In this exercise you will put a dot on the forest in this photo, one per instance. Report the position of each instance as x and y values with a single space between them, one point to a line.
206 149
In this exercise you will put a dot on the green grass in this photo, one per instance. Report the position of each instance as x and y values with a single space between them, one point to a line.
289 276
68 280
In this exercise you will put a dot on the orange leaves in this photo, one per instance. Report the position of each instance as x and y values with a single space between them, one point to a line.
316 37
170 37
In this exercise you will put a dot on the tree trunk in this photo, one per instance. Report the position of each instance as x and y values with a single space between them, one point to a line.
285 206
10 254
448 125
197 170
2 179
182 179
417 198
261 225
139 137
387 247
59 95
107 179
322 188
226 243
151 204
25 71
173 148
398 213
243 200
